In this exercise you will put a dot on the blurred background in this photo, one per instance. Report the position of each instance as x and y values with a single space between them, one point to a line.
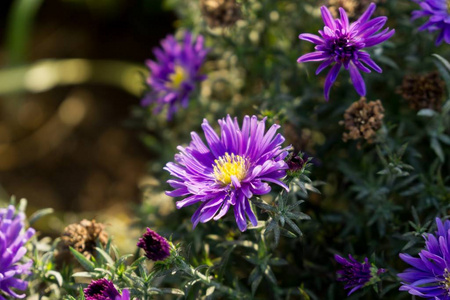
70 71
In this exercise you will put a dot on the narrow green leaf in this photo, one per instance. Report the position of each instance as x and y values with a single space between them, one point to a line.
39 214
436 146
444 68
426 112
105 256
84 262
55 275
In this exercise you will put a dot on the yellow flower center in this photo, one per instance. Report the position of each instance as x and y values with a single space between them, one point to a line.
230 165
448 6
446 282
177 77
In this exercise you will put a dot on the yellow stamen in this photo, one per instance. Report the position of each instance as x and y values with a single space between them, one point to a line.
446 282
227 166
177 77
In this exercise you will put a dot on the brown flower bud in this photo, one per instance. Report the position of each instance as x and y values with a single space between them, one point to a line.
82 237
362 119
220 13
423 91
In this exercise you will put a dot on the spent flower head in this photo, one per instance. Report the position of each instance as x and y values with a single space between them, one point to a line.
156 247
83 237
423 91
356 275
220 13
362 120
429 275
12 249
175 72
341 44
438 13
229 170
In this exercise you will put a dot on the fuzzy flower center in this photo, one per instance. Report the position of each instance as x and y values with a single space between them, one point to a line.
230 165
448 6
446 282
177 77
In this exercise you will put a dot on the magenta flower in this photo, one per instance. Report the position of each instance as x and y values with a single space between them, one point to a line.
342 43
229 170
356 275
438 13
155 246
175 73
12 250
104 289
429 275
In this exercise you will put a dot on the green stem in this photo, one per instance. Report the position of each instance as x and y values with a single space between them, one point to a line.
20 24
209 282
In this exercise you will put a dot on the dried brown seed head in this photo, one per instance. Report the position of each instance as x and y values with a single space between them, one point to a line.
362 119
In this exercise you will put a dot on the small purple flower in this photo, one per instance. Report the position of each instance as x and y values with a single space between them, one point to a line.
342 43
12 250
103 289
429 276
355 274
230 170
155 246
438 12
175 72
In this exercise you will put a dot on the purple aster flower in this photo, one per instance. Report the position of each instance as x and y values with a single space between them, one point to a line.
438 12
230 170
355 274
12 250
155 246
175 72
429 276
103 289
342 43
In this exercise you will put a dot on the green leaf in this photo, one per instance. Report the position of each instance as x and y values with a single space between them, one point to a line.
224 261
278 262
294 226
39 214
82 274
84 262
436 146
269 274
255 284
56 275
105 256
444 68
426 112
444 138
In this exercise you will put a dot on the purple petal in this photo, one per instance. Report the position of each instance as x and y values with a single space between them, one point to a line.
358 81
331 78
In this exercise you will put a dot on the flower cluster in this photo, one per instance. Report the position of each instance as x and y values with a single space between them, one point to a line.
175 72
341 43
12 250
230 170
